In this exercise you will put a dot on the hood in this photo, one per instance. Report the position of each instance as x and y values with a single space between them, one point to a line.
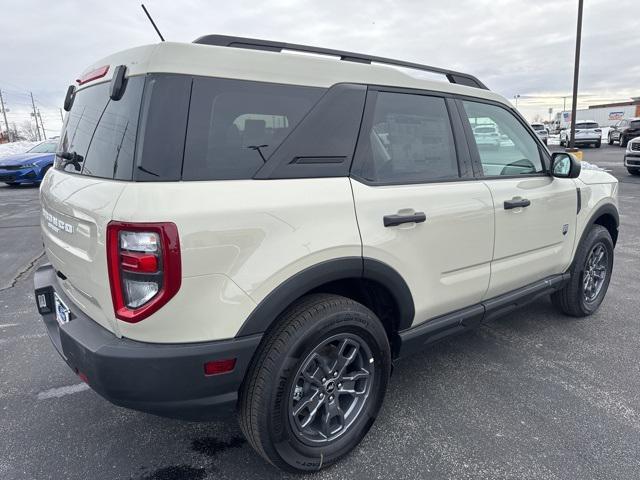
591 174
22 158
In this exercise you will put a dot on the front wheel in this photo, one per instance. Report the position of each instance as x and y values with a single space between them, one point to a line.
590 275
610 140
316 383
623 141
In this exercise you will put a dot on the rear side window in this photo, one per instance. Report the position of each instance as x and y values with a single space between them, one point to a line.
409 140
103 131
235 125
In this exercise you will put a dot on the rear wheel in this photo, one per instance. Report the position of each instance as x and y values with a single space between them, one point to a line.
316 383
633 171
598 144
610 140
590 275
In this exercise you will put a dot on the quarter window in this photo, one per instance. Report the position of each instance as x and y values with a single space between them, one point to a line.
234 125
409 140
504 145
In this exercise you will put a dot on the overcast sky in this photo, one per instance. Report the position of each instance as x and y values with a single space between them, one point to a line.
523 47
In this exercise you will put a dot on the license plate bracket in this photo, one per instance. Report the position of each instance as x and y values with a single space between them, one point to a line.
63 314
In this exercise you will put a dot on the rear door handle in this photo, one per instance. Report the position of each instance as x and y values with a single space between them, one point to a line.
516 203
393 220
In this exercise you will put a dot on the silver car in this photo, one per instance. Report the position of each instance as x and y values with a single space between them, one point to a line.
541 131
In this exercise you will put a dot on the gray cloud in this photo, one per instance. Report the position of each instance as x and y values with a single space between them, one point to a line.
517 47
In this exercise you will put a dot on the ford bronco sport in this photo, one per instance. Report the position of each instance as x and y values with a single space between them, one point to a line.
235 224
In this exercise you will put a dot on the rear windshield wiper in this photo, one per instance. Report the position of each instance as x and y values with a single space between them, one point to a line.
70 158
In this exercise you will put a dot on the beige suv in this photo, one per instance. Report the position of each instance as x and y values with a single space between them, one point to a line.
246 225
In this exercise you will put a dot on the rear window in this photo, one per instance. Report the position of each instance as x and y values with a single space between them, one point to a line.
537 126
484 130
235 125
587 125
103 131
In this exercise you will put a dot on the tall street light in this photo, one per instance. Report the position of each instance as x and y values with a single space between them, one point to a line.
576 71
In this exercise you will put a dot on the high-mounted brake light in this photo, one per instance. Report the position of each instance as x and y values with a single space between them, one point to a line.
145 269
93 75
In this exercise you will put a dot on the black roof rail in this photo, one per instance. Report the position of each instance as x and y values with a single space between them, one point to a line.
271 46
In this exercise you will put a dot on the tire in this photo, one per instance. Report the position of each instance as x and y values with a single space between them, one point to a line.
610 140
12 184
598 144
574 298
275 384
633 171
623 141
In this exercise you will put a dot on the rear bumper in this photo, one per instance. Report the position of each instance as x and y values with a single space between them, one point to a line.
585 141
163 379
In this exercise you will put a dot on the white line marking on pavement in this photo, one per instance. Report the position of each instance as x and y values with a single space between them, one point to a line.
22 337
7 325
62 391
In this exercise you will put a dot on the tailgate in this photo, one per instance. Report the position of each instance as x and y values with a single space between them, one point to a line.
75 212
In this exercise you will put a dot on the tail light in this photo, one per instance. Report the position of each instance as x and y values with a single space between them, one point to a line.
145 269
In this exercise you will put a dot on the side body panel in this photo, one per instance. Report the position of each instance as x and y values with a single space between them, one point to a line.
239 241
536 241
445 260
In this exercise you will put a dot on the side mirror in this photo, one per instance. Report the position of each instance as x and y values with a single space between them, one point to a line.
565 165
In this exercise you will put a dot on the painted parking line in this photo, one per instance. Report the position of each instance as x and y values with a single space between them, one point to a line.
62 391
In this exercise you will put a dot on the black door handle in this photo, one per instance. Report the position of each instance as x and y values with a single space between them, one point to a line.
393 220
516 202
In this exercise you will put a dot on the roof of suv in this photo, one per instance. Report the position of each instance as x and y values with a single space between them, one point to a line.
271 66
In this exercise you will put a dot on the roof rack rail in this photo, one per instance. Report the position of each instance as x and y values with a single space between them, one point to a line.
271 46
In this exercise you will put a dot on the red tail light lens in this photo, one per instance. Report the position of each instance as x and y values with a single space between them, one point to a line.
145 269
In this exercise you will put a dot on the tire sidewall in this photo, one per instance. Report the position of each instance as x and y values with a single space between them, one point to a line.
294 452
598 234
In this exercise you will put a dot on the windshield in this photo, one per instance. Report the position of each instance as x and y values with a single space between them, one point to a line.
485 130
44 147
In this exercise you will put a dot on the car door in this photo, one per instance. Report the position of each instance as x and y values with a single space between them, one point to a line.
418 207
535 213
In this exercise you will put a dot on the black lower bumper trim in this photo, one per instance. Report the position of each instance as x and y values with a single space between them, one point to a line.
164 379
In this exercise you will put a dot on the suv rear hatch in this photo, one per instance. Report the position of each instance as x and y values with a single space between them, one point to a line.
78 199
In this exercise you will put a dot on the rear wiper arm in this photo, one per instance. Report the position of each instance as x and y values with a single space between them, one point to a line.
257 149
70 158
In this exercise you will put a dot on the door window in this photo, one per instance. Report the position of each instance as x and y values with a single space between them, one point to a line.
408 140
505 146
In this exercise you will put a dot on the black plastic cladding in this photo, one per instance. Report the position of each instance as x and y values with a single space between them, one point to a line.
272 46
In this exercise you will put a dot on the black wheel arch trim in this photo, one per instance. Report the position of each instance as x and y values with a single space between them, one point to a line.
317 275
606 209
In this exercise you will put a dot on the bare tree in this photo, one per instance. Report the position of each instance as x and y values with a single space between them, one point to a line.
28 131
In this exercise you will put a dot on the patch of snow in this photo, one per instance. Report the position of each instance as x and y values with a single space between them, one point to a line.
12 148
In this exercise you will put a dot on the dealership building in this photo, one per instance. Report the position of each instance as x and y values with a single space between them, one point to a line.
605 114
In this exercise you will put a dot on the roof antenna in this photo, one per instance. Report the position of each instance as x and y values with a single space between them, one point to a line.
152 22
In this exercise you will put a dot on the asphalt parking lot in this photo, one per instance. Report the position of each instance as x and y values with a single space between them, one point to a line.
535 395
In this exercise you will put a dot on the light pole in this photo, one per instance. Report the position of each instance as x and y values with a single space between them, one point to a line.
516 96
576 71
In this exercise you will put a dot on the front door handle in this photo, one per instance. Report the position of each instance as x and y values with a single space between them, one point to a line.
516 203
393 220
